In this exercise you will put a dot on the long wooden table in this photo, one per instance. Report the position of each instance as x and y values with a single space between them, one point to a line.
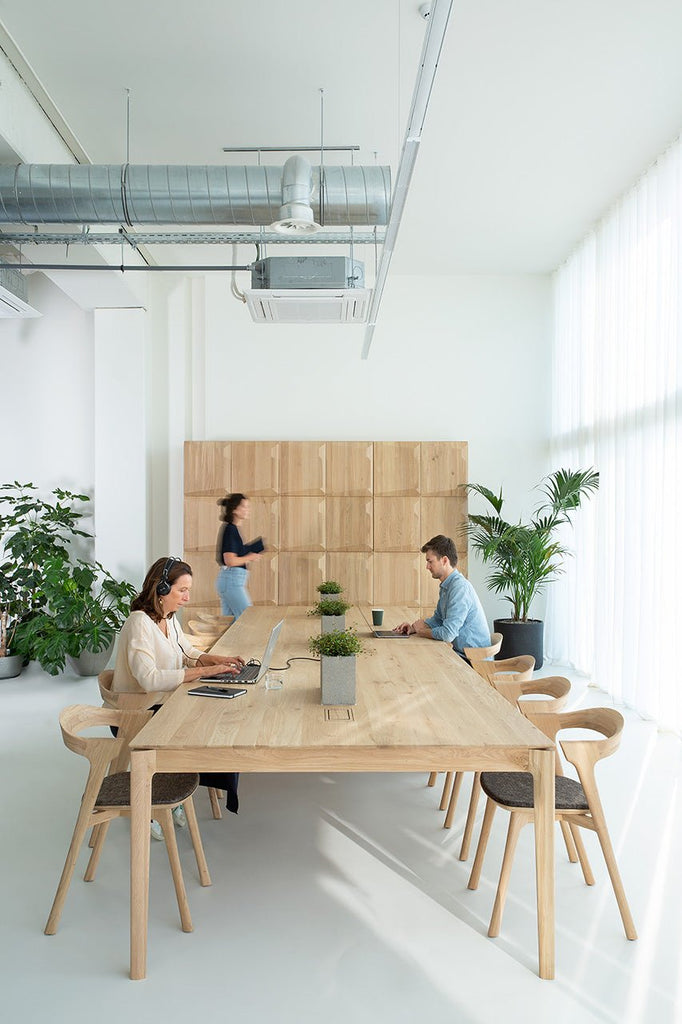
419 708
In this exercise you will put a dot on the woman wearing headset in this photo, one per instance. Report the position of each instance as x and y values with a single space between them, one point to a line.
154 655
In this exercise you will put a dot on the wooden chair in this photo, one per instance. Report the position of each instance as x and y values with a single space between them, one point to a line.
140 702
218 622
521 667
516 670
107 796
577 802
473 654
556 690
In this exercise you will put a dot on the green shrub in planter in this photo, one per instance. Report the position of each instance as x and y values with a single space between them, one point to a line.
329 587
329 606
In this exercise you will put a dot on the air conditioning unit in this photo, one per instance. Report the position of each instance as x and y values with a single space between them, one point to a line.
13 295
308 290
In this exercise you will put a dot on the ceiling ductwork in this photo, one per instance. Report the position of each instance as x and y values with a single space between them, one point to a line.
177 194
296 215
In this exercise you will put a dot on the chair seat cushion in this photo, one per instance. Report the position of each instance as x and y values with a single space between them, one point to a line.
515 789
170 788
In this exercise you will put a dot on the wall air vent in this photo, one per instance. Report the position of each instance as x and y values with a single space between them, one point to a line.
13 295
308 290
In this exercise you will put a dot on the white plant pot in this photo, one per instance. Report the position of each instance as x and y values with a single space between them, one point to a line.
338 679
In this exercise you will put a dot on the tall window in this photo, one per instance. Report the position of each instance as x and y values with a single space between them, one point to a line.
617 405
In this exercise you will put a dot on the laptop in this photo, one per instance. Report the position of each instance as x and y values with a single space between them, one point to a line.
251 673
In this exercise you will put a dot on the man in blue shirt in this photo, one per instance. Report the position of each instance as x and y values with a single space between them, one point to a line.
459 618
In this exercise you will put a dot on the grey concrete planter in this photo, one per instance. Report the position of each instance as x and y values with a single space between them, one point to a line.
332 622
10 666
91 663
338 680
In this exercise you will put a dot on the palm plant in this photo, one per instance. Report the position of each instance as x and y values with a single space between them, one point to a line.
527 556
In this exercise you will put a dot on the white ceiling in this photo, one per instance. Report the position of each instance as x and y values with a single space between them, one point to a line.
544 111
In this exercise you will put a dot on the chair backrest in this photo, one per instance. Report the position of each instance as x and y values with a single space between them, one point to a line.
555 688
101 751
482 653
514 669
134 701
584 753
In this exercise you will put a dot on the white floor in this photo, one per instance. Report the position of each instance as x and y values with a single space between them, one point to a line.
335 898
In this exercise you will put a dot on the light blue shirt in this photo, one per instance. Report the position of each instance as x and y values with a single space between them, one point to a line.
459 618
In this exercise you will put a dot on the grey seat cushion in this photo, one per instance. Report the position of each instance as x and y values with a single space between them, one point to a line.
515 789
166 789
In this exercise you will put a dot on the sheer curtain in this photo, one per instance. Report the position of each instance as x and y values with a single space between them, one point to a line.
616 388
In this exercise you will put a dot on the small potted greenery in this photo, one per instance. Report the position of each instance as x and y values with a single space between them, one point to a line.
332 614
525 557
337 652
329 589
85 609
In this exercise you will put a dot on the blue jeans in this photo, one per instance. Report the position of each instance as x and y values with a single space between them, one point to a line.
231 587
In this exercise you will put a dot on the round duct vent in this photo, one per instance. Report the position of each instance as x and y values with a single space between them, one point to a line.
295 219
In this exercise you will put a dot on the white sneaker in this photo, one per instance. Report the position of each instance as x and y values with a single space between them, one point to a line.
156 831
179 816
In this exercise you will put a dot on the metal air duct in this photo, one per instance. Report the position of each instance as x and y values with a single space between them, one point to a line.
181 194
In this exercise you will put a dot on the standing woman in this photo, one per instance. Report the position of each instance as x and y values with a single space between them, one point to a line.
234 556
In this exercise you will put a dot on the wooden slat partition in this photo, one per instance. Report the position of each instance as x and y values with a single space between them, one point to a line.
354 511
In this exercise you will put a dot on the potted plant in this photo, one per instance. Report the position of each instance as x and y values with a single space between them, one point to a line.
329 588
85 608
337 651
332 614
525 557
32 530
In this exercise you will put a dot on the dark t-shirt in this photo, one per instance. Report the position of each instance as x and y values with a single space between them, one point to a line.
232 541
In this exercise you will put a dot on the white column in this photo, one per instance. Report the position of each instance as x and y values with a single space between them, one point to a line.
120 425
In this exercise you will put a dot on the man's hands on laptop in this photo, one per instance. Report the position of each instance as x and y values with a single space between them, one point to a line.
408 628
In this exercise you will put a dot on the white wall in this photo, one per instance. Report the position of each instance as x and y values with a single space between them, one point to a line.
463 358
46 412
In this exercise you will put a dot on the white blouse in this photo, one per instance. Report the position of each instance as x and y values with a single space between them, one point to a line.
147 660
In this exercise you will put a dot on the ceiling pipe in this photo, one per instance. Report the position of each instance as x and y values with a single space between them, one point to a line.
181 194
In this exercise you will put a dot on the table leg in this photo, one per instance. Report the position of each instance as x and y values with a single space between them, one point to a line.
542 767
142 764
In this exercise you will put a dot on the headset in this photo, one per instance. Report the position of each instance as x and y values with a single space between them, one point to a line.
163 587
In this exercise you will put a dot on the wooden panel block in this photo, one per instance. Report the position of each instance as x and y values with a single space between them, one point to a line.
202 523
428 590
302 467
255 468
299 574
349 468
302 524
397 467
349 524
353 570
263 576
205 570
396 525
264 522
207 467
444 466
396 578
446 516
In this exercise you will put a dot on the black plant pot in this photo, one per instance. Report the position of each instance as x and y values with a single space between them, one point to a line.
520 638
